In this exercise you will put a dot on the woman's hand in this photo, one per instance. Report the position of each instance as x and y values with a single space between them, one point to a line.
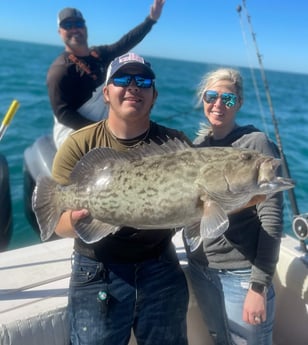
254 309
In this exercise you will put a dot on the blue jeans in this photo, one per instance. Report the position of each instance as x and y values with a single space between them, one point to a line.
150 297
220 295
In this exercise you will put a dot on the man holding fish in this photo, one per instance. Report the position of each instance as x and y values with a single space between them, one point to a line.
130 279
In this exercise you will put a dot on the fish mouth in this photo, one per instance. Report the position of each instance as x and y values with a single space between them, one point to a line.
276 185
268 181
267 168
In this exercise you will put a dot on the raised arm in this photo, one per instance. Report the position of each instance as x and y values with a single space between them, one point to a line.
156 9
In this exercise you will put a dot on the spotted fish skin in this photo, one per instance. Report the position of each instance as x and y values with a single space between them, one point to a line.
157 187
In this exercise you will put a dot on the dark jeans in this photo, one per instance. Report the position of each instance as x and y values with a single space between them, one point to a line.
150 297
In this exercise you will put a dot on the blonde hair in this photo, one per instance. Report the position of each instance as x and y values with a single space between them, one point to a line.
229 74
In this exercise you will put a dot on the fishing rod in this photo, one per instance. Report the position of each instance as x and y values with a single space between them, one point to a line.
300 223
8 117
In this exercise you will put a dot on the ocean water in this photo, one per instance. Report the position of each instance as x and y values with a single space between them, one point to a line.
23 76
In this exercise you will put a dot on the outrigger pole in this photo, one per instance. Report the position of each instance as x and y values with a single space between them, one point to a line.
300 224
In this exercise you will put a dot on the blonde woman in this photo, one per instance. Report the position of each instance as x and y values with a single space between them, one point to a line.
232 274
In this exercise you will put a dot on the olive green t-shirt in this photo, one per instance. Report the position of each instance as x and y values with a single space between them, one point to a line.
128 244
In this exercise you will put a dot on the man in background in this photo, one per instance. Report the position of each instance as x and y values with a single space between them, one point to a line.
76 77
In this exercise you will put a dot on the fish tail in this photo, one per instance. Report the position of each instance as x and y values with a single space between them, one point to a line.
46 206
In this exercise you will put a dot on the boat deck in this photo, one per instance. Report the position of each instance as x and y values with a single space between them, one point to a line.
34 285
33 296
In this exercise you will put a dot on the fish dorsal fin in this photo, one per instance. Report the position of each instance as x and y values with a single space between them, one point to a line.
102 159
169 146
105 158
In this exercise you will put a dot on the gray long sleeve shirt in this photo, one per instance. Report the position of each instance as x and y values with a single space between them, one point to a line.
254 234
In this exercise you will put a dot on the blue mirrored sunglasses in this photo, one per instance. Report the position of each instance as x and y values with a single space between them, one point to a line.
125 80
70 24
229 99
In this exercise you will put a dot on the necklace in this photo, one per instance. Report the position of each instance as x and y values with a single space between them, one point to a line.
128 142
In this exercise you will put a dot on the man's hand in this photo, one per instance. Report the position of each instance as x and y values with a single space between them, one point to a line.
256 200
68 219
156 9
252 202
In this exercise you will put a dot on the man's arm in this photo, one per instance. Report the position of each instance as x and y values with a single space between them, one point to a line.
156 9
134 36
63 163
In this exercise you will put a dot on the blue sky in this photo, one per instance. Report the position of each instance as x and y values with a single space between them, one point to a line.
194 30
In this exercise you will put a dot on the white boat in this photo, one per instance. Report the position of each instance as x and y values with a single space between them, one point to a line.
34 287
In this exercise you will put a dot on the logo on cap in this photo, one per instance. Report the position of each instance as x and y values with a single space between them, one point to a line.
131 57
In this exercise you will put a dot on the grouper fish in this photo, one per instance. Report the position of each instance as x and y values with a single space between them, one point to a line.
171 185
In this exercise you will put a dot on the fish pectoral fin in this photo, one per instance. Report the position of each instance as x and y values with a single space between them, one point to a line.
192 236
214 221
91 230
194 243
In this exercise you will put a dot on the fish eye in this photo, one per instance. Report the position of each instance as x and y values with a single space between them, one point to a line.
246 156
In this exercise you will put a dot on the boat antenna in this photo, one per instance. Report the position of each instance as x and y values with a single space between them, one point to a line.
252 72
300 224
